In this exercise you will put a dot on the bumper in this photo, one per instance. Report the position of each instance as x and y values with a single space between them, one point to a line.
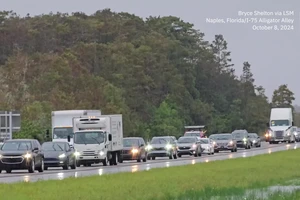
186 152
54 162
225 148
21 164
283 139
90 159
130 156
159 153
241 145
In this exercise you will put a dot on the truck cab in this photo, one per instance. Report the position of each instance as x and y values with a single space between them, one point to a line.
280 126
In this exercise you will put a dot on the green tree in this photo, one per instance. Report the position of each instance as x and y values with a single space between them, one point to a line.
283 97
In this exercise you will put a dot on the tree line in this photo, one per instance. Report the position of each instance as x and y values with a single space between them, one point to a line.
159 73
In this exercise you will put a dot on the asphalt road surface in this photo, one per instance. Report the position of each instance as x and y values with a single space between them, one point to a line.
133 166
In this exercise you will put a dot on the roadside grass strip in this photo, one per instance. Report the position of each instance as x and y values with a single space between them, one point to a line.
199 181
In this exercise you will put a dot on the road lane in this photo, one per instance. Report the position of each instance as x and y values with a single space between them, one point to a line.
17 176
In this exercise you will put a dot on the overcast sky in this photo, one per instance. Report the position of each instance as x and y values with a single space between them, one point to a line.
272 54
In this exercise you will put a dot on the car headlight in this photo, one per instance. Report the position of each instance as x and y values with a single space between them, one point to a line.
168 146
194 146
101 153
0 156
148 147
77 153
245 139
62 155
254 141
231 143
134 151
27 155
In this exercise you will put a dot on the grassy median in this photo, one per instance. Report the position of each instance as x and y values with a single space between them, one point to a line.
203 179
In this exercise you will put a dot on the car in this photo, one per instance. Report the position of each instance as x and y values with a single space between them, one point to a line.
297 135
224 142
255 139
162 146
242 139
189 145
207 146
58 154
213 137
21 154
134 149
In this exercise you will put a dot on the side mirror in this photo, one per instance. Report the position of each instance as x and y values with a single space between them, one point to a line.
142 145
35 149
268 124
109 137
69 138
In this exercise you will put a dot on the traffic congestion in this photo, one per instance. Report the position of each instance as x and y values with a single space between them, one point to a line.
86 137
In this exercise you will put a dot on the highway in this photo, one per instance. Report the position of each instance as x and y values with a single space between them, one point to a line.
133 166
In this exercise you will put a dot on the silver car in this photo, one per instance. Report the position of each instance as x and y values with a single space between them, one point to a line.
189 145
164 146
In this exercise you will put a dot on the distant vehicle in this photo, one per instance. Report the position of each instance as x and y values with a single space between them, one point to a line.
19 154
189 145
255 139
134 149
198 131
242 139
62 123
58 154
213 137
268 134
207 146
295 133
224 142
162 146
280 125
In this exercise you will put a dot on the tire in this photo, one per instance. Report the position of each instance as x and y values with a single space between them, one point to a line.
31 168
148 158
73 166
139 159
0 171
41 168
105 161
78 163
145 158
116 158
179 155
153 158
45 168
175 155
171 156
196 153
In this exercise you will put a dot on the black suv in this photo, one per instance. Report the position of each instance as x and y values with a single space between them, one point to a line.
242 139
134 149
21 154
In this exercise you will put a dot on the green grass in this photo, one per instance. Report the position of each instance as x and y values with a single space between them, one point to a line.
227 177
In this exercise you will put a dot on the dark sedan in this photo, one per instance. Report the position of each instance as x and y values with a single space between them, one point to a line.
255 140
59 154
134 149
21 154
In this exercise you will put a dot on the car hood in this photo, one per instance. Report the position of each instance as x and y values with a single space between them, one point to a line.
14 153
204 145
129 148
185 144
158 145
279 128
222 141
50 154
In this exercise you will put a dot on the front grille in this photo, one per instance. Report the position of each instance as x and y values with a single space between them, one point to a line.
126 151
222 144
12 159
184 148
279 134
51 159
88 153
161 148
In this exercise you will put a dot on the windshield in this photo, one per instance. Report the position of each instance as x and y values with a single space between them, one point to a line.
253 136
239 134
279 122
212 137
186 140
192 134
53 146
222 137
62 133
89 137
16 146
203 141
130 142
160 141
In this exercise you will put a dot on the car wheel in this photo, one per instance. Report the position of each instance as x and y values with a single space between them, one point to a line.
104 162
153 158
175 155
78 163
41 168
31 168
196 153
73 166
145 158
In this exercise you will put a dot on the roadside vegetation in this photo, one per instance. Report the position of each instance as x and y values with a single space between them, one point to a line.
161 74
226 177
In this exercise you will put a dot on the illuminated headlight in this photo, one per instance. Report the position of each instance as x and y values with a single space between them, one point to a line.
244 139
27 155
101 153
288 134
77 153
214 143
168 146
134 151
231 143
194 146
254 141
62 155
148 147
0 156
295 133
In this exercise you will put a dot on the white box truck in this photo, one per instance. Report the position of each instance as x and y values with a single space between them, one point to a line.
62 123
98 140
280 125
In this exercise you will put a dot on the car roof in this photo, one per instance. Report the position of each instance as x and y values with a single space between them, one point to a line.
252 133
133 138
56 142
21 140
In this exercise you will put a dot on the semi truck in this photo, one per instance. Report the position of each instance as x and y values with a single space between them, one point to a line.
62 123
98 139
280 126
